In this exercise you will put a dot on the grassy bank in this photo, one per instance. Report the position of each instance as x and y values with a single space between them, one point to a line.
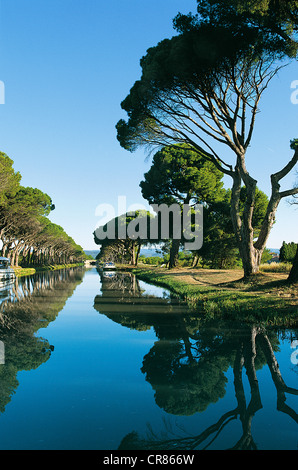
19 271
222 293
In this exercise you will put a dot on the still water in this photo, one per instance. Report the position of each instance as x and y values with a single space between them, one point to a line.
93 362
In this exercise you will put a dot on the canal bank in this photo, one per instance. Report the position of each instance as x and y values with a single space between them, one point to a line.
19 271
222 293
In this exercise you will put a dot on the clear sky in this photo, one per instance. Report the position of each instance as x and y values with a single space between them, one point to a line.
66 66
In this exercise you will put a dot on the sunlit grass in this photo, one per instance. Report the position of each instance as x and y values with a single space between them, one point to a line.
275 304
276 267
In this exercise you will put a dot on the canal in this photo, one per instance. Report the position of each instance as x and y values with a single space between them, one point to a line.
92 361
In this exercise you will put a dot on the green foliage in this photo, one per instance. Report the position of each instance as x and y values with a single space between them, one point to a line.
277 20
194 62
30 202
180 175
259 210
9 181
287 252
118 242
266 256
220 249
25 230
183 66
152 260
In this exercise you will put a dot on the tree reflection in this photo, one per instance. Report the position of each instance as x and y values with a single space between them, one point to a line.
123 300
189 387
187 366
26 306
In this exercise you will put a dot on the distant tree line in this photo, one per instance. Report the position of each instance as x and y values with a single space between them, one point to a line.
28 237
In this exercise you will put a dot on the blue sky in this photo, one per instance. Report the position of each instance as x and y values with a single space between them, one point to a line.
66 66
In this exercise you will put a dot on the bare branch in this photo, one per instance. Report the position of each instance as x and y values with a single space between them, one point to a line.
286 169
289 192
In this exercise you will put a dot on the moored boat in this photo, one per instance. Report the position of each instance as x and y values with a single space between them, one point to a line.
6 271
109 266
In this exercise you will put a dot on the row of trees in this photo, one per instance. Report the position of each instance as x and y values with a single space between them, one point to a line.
180 176
117 244
28 236
203 87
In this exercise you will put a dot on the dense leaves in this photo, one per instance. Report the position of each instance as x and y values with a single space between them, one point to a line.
277 19
195 62
121 238
26 232
287 252
9 180
178 175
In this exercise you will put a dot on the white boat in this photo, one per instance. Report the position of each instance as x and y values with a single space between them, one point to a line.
109 266
6 272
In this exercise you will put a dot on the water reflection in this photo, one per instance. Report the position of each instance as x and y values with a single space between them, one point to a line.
28 304
124 301
6 288
187 365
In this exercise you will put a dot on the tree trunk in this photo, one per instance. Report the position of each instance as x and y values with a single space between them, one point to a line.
4 249
29 257
251 251
293 276
9 252
195 260
138 253
133 253
13 255
251 258
242 226
19 249
174 253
